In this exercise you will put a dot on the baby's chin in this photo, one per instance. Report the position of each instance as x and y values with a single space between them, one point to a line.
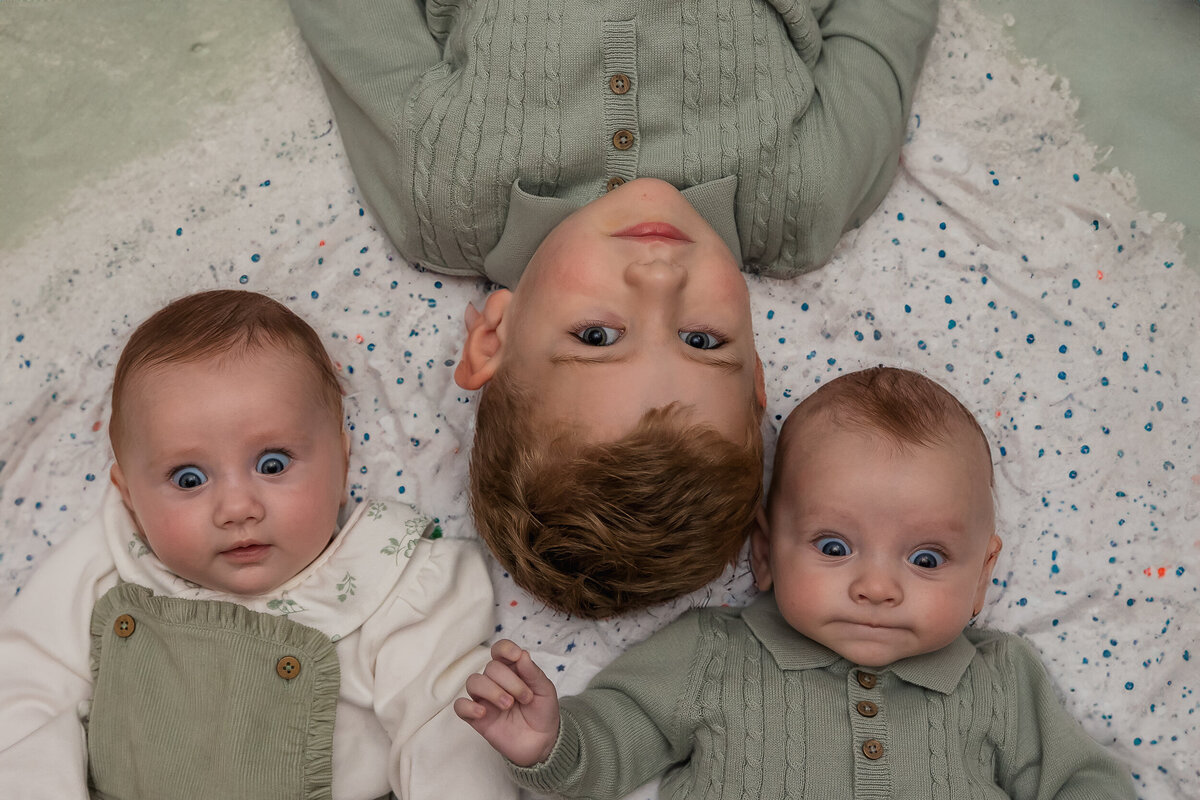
875 647
251 582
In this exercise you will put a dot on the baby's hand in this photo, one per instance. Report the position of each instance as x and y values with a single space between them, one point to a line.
513 705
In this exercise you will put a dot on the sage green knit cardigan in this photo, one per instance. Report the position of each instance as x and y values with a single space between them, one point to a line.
443 105
734 703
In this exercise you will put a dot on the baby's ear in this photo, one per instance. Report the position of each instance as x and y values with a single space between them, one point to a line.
760 383
118 480
346 462
484 343
985 575
760 550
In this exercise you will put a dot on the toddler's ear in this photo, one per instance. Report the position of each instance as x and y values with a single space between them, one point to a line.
484 343
760 551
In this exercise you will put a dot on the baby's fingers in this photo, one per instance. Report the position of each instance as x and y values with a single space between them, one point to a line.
519 661
507 679
533 677
469 710
506 650
486 691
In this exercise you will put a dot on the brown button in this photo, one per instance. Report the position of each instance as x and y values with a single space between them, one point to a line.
613 183
866 680
124 626
288 667
867 708
623 139
873 749
619 83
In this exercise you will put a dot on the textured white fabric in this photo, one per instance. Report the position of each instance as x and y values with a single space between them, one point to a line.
1085 324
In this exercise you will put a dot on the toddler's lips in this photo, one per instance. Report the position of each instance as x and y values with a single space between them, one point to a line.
654 231
246 553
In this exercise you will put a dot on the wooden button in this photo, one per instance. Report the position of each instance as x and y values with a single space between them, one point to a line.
867 680
613 183
124 626
288 667
623 139
867 708
873 749
619 83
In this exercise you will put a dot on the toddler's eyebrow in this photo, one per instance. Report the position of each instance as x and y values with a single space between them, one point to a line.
575 358
725 363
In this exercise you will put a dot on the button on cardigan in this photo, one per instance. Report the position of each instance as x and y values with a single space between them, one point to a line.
444 105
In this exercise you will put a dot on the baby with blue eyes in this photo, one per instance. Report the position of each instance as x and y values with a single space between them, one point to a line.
855 672
202 636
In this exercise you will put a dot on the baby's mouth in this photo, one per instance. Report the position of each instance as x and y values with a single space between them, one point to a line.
246 552
870 624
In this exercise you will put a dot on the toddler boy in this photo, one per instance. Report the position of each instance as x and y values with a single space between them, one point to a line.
481 133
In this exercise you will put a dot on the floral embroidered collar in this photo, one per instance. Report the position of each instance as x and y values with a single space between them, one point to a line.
335 594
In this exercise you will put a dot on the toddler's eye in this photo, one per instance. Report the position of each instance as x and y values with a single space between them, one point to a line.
929 559
273 463
833 546
701 340
188 478
598 336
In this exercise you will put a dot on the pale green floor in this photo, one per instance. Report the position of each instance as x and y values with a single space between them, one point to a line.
1134 66
87 87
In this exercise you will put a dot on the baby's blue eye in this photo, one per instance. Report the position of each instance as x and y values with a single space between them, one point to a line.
833 546
700 340
598 336
929 559
273 463
188 478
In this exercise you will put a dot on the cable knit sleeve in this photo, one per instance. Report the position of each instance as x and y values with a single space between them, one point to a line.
425 643
636 718
1046 754
870 57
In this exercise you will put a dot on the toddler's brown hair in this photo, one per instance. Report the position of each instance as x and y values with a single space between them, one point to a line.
596 530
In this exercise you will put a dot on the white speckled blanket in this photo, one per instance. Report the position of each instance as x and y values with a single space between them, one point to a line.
1001 263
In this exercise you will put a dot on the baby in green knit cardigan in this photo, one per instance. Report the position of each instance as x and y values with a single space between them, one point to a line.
854 674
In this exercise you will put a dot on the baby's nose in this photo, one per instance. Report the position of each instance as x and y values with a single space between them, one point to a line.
876 586
237 504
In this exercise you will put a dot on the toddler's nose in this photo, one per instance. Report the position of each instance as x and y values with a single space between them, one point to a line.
656 274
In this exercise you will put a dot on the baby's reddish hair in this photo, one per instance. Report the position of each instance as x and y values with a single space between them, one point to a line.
219 323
